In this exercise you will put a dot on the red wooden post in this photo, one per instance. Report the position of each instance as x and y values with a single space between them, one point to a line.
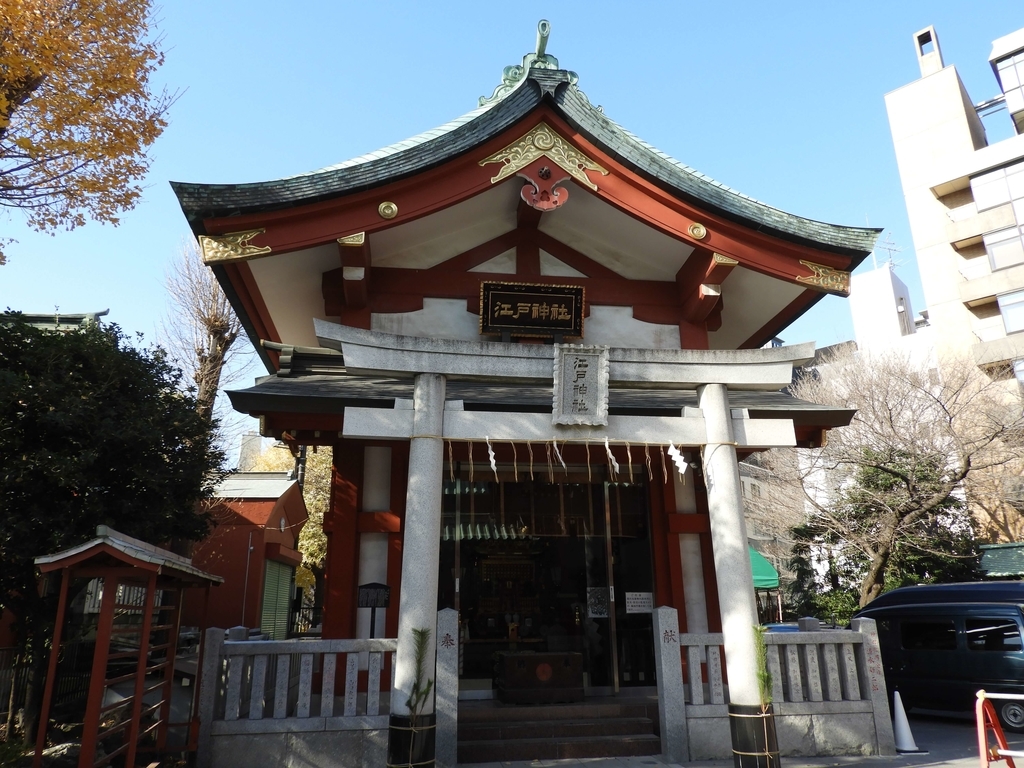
51 672
171 654
98 678
193 731
132 730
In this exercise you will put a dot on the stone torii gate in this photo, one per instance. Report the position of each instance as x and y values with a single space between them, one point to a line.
429 419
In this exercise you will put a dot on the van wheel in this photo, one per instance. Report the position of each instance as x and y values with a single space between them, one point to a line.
1011 713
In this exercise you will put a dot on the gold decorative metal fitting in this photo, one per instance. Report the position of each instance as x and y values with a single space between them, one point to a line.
359 238
697 231
826 278
541 141
232 246
387 210
724 260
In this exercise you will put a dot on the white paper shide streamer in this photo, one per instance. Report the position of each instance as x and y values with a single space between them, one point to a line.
558 455
677 458
611 459
490 455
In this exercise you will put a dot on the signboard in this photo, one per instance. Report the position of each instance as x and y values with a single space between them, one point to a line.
639 602
597 602
580 392
374 595
522 309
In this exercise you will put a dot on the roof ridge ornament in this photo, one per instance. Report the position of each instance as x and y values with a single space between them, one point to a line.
543 141
516 74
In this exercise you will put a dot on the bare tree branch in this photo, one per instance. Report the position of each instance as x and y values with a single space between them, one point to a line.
203 328
925 437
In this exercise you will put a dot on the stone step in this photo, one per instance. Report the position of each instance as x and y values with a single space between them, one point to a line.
554 729
558 749
495 712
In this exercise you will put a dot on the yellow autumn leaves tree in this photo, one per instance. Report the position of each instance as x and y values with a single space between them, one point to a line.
77 111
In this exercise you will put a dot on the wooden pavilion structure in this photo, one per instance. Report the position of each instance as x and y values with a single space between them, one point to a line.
139 589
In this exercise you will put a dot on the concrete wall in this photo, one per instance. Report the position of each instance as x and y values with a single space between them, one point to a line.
801 733
318 749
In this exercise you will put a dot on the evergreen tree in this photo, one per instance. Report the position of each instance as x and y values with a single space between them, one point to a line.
92 431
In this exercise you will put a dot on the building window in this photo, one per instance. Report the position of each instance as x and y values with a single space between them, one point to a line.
992 635
998 187
1011 307
755 490
1004 248
1011 80
990 190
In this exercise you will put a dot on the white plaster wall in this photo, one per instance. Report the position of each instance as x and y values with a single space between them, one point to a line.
503 263
745 308
690 554
373 567
686 498
616 327
439 319
373 547
376 479
614 239
448 319
430 240
290 284
549 265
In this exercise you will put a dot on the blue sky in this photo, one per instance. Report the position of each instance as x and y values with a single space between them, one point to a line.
781 101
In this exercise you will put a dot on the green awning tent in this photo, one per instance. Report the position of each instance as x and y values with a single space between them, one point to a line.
765 576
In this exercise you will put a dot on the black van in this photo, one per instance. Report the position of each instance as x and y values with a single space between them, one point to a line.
942 642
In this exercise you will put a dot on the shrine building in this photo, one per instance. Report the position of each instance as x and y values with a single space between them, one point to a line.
538 347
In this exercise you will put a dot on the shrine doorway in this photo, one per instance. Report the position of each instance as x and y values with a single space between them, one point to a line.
556 570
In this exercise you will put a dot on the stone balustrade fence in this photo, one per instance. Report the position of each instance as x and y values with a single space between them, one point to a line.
259 698
828 691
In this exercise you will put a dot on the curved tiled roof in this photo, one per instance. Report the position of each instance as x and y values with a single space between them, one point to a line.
429 149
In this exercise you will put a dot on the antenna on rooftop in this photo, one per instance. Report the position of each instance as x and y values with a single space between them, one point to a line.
889 246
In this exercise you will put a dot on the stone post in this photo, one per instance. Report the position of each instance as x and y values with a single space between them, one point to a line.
872 683
671 701
209 682
447 687
808 624
729 541
417 607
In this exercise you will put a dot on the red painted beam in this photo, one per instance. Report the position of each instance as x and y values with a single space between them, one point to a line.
480 254
689 524
379 522
527 217
575 259
354 286
355 269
